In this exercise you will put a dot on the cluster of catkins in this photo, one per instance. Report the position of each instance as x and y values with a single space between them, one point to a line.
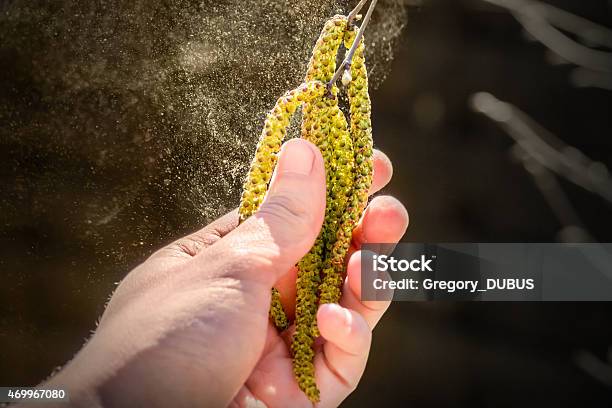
347 151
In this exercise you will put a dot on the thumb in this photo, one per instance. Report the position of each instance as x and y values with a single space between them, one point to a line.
284 229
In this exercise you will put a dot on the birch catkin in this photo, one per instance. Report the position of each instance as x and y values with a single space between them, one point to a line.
361 135
347 153
324 125
272 135
258 179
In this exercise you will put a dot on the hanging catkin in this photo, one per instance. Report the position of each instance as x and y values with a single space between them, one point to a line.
347 153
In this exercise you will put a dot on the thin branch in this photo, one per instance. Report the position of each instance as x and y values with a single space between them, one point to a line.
546 148
587 30
574 230
542 22
353 14
586 78
546 181
593 366
562 45
581 27
349 55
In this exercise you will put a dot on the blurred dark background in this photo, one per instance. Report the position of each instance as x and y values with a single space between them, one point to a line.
453 170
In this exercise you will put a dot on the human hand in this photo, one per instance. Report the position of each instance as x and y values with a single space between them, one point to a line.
189 327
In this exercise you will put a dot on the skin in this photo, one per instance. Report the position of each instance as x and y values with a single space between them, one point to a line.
189 327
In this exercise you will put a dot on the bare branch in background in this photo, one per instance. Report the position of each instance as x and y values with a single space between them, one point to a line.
552 153
543 156
593 34
586 78
544 22
573 229
593 366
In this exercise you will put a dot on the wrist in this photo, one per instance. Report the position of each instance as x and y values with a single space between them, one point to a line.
80 395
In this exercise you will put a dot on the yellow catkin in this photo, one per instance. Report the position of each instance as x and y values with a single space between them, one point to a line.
339 181
340 190
347 152
324 125
258 178
361 133
361 126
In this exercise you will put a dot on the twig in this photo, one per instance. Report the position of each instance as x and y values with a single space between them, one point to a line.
546 181
349 55
545 147
541 21
592 365
586 78
562 45
574 230
581 27
353 14
543 161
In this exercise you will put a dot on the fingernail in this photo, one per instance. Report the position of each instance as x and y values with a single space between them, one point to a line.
296 157
251 402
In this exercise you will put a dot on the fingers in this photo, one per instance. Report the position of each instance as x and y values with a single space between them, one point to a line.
371 311
383 171
345 352
283 230
385 220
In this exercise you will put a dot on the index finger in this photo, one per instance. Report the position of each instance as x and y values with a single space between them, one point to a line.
194 243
